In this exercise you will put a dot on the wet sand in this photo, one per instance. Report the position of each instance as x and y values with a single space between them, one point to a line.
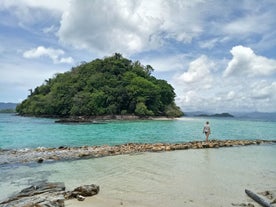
200 176
207 177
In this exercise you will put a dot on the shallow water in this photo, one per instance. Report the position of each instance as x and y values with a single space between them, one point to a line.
25 132
205 177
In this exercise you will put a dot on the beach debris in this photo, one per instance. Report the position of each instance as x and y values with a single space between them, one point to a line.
258 199
268 194
50 194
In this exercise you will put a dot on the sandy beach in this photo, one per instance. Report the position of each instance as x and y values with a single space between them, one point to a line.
207 177
212 177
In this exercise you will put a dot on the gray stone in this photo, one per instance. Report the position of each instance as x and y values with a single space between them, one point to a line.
45 194
40 195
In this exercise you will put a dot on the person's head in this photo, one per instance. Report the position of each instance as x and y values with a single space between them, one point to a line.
207 122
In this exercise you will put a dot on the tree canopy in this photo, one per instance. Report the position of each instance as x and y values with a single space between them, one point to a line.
112 85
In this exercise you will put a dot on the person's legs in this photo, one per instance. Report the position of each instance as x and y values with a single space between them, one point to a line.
207 136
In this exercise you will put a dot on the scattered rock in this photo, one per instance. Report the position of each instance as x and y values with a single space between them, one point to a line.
80 198
65 153
40 195
45 194
267 194
87 190
40 160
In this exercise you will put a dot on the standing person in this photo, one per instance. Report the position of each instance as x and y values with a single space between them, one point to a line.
207 130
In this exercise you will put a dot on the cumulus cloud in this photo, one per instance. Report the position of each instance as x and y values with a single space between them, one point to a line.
26 13
108 26
60 5
170 35
204 88
54 54
199 70
246 62
246 25
128 26
167 63
263 90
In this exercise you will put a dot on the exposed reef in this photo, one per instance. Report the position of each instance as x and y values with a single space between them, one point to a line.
45 194
42 154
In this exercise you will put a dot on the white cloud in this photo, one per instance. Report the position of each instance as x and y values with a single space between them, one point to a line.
171 35
129 26
109 26
204 88
27 13
248 24
51 29
230 95
246 62
54 54
199 71
208 43
60 5
167 63
263 90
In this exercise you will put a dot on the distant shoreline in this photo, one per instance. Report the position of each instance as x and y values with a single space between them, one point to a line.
64 153
103 119
222 115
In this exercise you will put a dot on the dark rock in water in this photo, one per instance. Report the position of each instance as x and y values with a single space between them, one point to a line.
40 160
44 194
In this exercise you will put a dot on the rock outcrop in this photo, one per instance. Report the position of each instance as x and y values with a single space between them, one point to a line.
41 155
40 195
82 191
45 194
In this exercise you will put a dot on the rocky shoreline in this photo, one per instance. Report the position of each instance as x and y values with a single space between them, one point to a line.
106 118
46 194
42 154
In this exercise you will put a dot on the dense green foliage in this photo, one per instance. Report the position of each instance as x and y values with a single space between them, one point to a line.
113 85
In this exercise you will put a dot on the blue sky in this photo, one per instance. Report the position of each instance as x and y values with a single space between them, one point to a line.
220 56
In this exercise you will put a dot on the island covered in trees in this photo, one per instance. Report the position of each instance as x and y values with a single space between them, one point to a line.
109 86
216 115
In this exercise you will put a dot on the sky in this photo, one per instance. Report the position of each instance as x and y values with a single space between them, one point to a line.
220 56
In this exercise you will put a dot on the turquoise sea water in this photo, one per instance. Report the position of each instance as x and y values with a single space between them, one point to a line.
207 177
25 132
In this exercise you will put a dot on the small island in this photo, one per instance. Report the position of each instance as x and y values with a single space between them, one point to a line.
216 115
7 107
104 87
